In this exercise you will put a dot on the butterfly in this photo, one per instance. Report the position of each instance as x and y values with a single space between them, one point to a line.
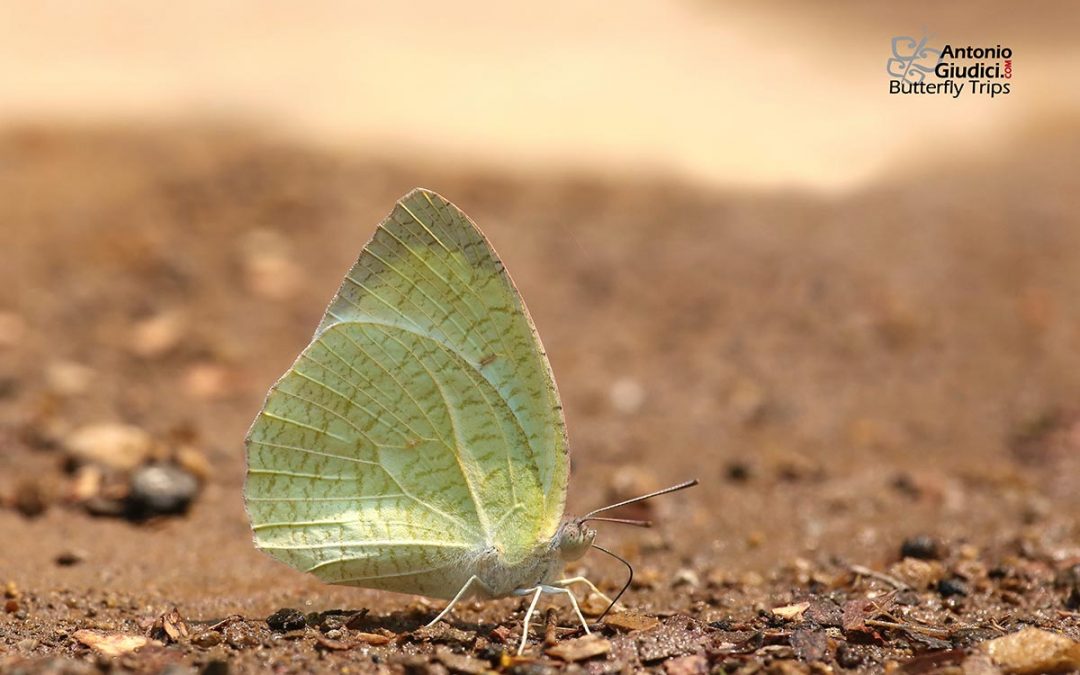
417 444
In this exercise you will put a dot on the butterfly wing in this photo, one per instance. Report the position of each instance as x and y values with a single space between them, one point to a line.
421 424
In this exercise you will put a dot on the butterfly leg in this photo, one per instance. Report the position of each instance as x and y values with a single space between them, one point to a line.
528 617
460 594
582 580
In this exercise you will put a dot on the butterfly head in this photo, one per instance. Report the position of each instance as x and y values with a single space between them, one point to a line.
573 539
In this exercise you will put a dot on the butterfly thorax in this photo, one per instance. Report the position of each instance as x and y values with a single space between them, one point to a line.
543 565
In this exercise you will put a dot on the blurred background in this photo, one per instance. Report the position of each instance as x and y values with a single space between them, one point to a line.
753 95
852 315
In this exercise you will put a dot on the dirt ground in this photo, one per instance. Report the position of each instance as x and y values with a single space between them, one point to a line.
879 392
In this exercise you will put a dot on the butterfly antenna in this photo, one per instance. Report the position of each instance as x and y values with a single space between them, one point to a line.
629 579
624 521
635 500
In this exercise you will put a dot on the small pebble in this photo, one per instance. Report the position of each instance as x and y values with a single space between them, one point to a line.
920 574
951 587
158 334
921 546
70 558
207 639
194 462
239 636
627 395
208 381
161 489
686 577
738 471
68 378
30 498
269 270
116 446
286 619
1032 650
26 645
906 484
748 401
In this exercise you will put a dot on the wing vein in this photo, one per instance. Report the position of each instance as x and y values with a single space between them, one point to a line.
456 449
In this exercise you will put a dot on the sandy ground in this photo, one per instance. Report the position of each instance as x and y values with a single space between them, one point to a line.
842 374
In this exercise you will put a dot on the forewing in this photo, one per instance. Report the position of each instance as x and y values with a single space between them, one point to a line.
421 423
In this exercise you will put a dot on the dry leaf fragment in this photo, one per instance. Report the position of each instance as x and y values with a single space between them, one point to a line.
372 638
791 612
169 627
323 642
631 621
694 664
500 634
116 644
580 649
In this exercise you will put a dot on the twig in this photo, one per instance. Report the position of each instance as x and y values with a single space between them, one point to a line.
910 628
549 628
880 576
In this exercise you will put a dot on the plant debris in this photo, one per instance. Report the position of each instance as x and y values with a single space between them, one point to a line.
115 644
580 649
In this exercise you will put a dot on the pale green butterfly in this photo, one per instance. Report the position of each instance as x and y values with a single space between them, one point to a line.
417 444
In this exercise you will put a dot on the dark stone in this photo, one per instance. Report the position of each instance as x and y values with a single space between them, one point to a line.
738 472
848 656
70 558
1068 577
1072 603
30 499
908 598
951 587
286 619
922 547
215 668
161 489
905 484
